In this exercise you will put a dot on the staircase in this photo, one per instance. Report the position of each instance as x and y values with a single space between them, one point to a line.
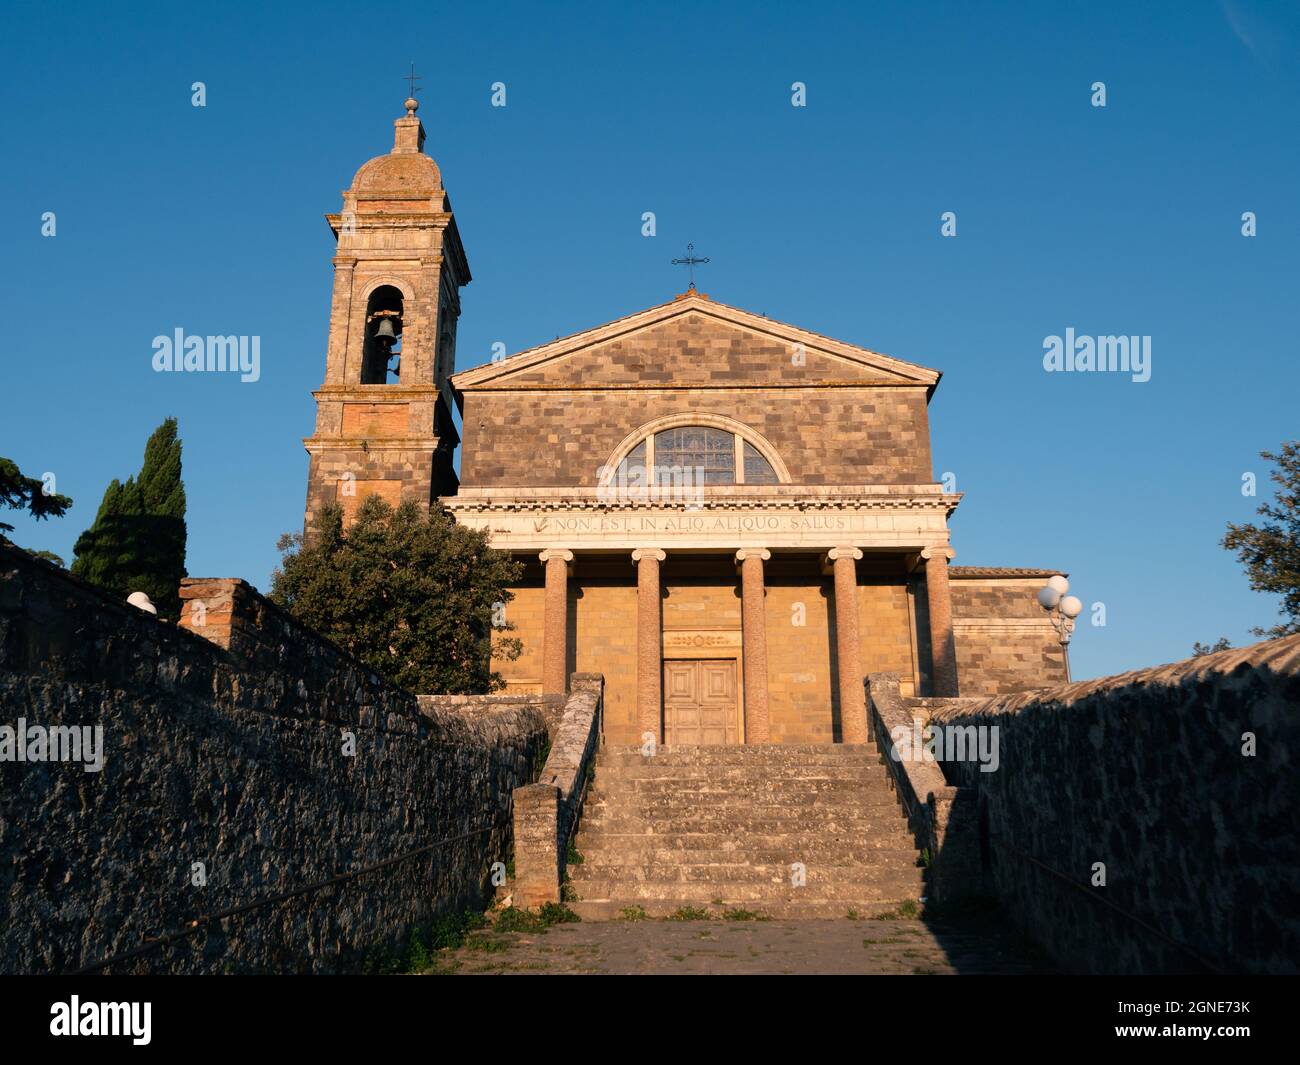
719 827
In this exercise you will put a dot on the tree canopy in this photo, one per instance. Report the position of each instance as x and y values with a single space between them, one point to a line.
1270 551
137 541
20 492
405 590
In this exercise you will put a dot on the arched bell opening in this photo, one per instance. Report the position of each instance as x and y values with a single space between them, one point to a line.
382 354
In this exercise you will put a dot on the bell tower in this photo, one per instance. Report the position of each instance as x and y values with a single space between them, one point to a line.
383 414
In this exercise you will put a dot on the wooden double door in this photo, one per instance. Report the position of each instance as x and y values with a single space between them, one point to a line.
700 701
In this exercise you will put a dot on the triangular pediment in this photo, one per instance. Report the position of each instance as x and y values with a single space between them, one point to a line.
695 342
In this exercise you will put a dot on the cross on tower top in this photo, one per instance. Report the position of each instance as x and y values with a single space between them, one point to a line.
411 79
690 262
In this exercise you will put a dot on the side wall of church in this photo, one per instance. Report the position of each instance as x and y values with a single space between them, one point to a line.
851 435
1004 641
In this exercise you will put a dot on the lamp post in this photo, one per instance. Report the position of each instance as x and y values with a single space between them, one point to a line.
1061 610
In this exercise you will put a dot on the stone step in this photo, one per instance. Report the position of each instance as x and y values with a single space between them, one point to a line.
827 822
812 809
703 892
739 792
734 872
859 774
805 909
770 754
608 849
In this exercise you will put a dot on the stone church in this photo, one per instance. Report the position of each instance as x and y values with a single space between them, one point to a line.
733 519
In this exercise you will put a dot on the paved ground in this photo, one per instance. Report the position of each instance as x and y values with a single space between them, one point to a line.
900 946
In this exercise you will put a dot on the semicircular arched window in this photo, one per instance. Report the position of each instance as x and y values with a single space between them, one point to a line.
700 454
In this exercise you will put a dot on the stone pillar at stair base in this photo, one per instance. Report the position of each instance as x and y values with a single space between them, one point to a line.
537 845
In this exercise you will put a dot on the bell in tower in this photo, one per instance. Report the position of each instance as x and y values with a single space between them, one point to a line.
383 413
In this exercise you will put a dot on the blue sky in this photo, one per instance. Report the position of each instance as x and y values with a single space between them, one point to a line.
1117 220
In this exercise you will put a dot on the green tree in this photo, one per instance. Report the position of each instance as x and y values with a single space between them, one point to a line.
137 541
409 592
1271 551
1221 644
20 492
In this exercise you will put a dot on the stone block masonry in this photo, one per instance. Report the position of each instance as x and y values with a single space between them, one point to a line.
227 779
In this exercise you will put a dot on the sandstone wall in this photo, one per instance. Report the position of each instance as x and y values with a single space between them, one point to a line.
1005 642
1145 773
228 750
858 435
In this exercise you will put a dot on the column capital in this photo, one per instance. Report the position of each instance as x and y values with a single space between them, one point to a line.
649 552
939 551
835 553
760 553
556 552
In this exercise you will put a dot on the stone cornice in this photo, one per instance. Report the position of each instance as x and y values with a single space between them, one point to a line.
316 444
726 498
727 386
378 393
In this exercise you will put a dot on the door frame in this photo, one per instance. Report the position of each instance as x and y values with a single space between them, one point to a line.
694 644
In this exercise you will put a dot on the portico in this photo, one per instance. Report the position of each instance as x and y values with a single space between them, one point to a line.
687 584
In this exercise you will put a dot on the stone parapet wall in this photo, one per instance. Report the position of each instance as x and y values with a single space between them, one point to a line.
943 818
1148 774
257 758
546 813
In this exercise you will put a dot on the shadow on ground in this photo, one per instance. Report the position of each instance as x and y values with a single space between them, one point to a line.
975 938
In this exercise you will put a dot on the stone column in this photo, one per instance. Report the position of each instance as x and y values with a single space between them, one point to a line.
853 700
555 631
943 650
649 642
753 621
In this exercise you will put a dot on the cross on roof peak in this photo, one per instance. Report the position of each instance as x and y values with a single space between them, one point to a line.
690 262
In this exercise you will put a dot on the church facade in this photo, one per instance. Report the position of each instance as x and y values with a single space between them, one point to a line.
733 519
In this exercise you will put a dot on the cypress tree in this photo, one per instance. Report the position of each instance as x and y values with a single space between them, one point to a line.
137 541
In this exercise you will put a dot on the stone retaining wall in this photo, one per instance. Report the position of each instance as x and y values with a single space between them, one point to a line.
1147 777
257 757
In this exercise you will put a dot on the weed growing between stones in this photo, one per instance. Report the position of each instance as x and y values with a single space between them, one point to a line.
517 919
690 913
423 941
632 913
907 910
738 913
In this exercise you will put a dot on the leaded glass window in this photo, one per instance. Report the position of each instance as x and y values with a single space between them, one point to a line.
710 452
757 469
631 471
